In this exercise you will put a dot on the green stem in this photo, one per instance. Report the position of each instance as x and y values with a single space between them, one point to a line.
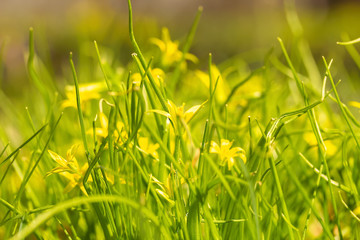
340 104
281 194
78 103
142 59
188 42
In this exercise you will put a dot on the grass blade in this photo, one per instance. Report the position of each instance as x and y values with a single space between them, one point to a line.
78 103
22 145
42 218
340 104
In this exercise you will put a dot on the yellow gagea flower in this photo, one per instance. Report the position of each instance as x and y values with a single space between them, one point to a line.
148 148
170 52
119 133
222 87
69 168
227 153
88 91
177 115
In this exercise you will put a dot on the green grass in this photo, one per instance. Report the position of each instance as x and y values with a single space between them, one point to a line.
264 152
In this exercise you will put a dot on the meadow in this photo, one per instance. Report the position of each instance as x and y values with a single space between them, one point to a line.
173 146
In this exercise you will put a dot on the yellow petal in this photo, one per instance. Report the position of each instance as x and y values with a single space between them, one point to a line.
60 160
157 72
57 170
173 109
166 114
110 178
165 196
136 78
165 35
354 104
84 168
214 148
101 132
231 163
190 113
243 157
103 120
161 112
143 143
191 57
94 87
120 126
222 89
158 75
72 151
310 138
68 103
357 211
158 43
172 50
70 176
69 187
87 91
153 147
225 144
160 184
82 188
237 150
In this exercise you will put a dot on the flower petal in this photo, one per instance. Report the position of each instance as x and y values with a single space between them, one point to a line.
214 148
230 163
191 112
60 160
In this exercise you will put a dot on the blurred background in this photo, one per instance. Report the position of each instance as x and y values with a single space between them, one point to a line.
227 29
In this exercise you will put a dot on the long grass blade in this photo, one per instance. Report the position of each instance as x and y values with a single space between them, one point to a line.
42 218
22 145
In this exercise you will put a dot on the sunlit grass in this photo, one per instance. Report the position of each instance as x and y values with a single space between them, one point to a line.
263 153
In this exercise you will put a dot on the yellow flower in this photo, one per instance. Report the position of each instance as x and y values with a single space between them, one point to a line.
119 134
170 49
331 148
69 168
147 147
157 74
354 104
222 88
88 91
177 115
357 211
226 153
102 131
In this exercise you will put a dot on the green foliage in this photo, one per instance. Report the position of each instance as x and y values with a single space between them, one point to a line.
264 153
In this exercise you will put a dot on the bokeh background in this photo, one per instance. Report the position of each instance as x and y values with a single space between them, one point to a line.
227 29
